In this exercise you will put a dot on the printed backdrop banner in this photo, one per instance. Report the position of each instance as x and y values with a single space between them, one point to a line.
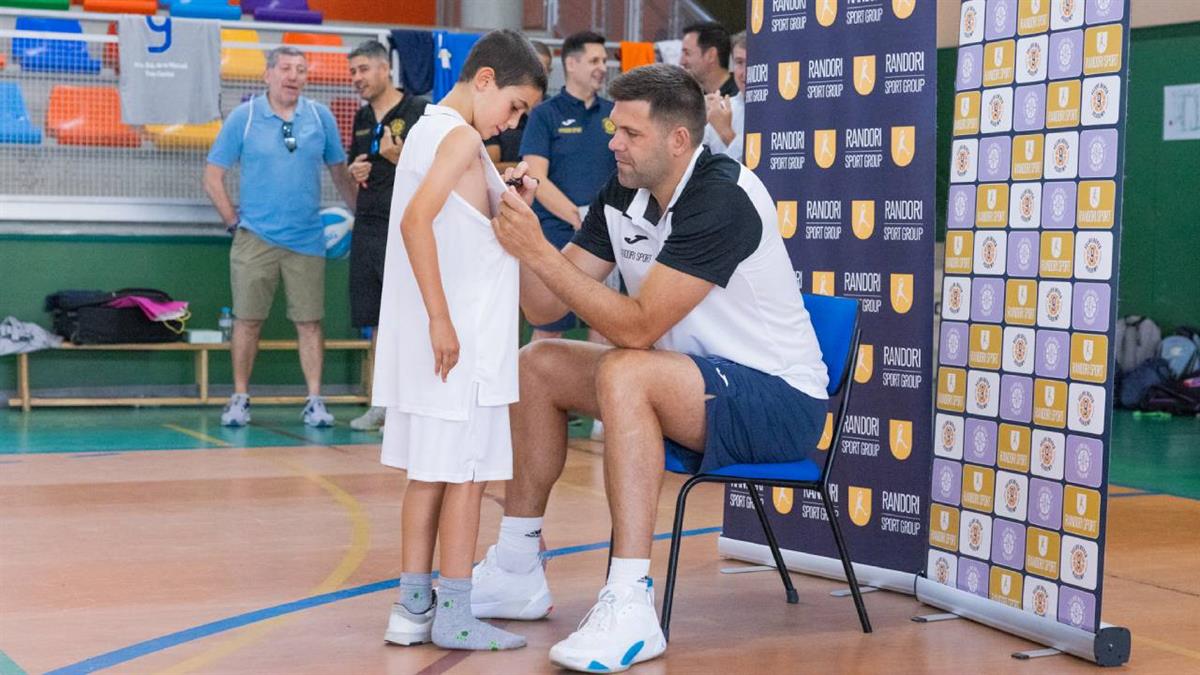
840 126
1025 368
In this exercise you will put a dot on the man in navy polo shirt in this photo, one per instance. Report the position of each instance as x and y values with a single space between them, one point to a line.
566 148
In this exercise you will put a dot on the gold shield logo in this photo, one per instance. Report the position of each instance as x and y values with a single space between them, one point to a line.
864 74
822 283
782 499
865 365
826 147
753 150
904 145
902 292
903 8
862 213
860 505
756 16
826 433
900 435
826 12
786 211
789 79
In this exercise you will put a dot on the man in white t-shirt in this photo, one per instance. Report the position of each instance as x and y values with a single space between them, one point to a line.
713 353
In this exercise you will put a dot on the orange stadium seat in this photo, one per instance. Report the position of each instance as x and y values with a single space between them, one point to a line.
88 116
323 67
241 63
148 7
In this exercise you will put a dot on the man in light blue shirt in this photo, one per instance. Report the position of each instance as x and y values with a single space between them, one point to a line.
281 139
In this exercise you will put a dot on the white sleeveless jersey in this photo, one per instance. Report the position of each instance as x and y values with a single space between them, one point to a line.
481 286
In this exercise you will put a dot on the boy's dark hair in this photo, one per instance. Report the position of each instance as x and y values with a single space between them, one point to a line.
710 34
673 94
577 42
542 49
509 54
372 49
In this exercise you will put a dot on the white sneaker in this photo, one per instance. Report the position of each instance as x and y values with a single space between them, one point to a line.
372 420
405 628
620 630
237 411
315 414
597 431
497 593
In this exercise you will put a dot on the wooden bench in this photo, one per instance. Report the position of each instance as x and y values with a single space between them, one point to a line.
27 401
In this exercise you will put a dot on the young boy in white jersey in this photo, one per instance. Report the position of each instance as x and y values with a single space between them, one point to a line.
446 367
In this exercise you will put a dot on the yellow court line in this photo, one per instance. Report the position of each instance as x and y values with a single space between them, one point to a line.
1167 647
197 435
360 543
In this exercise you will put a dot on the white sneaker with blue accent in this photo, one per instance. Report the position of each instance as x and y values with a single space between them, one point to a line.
237 411
315 414
620 630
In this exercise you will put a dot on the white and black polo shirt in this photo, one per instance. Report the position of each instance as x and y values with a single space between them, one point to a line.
721 226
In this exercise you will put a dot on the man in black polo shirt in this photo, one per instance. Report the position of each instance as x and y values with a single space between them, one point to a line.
713 352
380 128
706 48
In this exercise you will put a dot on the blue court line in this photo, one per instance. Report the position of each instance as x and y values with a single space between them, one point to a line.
158 644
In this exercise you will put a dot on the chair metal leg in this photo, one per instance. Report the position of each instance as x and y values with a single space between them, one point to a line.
792 596
847 566
673 560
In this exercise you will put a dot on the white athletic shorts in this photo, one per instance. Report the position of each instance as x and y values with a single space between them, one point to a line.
435 450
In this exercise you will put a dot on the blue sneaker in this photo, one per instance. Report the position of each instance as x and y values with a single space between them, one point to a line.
620 630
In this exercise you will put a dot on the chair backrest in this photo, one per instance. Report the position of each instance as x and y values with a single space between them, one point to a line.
835 321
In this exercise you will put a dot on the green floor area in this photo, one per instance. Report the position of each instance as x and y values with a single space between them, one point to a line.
1157 455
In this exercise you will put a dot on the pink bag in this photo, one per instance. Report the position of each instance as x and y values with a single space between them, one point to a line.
173 314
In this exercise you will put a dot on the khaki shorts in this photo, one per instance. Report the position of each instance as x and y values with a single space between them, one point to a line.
254 270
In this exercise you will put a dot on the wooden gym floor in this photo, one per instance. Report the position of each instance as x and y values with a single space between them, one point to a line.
154 541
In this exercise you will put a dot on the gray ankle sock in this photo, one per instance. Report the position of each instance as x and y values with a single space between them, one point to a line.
416 592
455 628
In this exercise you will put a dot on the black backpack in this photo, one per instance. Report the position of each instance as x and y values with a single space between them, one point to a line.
82 317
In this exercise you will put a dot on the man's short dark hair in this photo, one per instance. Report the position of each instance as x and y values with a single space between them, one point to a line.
710 34
372 49
673 94
509 54
577 42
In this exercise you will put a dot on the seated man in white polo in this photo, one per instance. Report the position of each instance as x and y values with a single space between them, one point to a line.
714 352
281 139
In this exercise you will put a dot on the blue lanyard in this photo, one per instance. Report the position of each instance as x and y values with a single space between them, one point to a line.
375 138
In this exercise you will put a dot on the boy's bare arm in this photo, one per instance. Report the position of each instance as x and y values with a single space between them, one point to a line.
457 150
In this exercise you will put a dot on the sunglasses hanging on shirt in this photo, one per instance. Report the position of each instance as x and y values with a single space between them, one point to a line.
375 138
289 140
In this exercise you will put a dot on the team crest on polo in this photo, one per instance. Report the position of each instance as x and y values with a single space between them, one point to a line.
782 499
859 501
904 145
903 8
826 433
822 283
789 79
756 16
786 210
610 127
862 215
824 147
865 366
864 74
397 127
753 150
900 438
902 292
826 12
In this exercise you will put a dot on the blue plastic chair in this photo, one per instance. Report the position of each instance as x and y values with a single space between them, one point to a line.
835 321
15 125
205 9
53 56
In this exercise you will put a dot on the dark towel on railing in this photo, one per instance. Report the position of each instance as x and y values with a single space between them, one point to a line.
416 59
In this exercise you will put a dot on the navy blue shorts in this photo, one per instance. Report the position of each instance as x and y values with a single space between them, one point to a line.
559 234
752 418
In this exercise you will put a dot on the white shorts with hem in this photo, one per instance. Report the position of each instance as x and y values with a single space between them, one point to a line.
435 450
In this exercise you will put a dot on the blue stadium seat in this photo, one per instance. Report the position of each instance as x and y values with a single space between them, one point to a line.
15 126
53 56
206 9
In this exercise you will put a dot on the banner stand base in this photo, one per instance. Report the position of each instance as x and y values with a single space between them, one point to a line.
1035 654
747 569
1109 646
879 578
845 592
934 618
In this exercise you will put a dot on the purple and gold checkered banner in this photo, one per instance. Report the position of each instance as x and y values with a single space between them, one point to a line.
1025 362
840 126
